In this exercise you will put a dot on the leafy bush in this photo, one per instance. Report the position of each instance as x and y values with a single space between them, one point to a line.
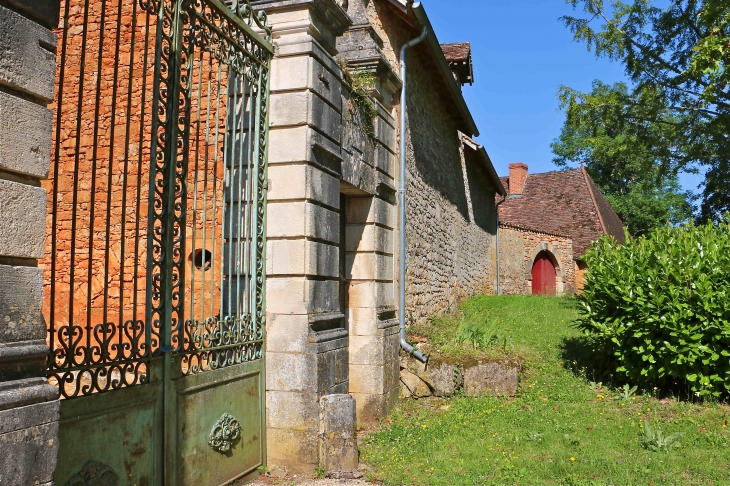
659 305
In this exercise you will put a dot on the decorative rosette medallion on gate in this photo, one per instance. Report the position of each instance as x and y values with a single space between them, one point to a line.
95 473
224 434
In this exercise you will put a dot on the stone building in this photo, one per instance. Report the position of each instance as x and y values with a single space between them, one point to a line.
547 222
331 254
333 196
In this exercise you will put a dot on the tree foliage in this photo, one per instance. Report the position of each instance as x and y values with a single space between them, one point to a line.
677 59
607 130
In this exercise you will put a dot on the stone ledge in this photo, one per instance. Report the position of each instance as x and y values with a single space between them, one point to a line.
22 359
26 392
325 20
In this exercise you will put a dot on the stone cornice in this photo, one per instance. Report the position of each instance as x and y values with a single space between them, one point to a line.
329 11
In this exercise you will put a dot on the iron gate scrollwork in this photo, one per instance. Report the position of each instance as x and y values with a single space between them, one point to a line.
207 339
156 277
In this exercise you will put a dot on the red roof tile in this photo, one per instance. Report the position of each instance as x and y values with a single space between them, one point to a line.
457 52
564 202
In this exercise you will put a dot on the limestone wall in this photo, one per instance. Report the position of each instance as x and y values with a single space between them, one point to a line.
517 250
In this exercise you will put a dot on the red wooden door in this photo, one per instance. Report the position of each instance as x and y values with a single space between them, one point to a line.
544 281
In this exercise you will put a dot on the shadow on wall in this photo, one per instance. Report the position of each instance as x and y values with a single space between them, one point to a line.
482 196
434 138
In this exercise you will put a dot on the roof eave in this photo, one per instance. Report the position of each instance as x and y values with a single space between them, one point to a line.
492 173
445 70
486 164
402 9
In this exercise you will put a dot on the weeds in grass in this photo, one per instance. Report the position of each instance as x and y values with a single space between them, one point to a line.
655 440
595 387
481 334
319 472
626 393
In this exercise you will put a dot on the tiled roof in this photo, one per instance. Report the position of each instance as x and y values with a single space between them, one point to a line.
564 202
457 52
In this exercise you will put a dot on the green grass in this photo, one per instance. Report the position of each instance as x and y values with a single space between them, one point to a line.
562 429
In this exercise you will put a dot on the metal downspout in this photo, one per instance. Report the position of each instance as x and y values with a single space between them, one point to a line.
402 201
499 279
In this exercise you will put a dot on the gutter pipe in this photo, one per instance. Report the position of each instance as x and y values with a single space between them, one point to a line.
402 201
499 279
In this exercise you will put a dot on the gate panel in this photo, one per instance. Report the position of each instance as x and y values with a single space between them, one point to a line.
155 271
221 434
216 386
118 435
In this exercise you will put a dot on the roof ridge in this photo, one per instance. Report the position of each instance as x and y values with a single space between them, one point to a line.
593 198
557 171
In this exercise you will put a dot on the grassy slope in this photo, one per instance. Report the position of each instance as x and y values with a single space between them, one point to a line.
561 430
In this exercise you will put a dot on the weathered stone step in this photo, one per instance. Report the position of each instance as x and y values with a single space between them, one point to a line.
443 377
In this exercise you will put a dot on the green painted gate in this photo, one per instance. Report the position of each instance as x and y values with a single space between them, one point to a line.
155 279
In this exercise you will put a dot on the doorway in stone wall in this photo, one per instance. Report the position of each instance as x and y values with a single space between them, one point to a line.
343 272
544 275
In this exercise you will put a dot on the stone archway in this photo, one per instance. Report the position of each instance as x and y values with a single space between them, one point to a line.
545 248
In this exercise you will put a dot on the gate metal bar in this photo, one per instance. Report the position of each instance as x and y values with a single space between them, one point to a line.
90 357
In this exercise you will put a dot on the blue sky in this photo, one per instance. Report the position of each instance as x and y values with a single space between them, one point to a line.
522 53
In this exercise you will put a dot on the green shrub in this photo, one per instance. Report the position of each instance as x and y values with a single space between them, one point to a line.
659 306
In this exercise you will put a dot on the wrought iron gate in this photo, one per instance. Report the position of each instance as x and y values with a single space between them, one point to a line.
155 274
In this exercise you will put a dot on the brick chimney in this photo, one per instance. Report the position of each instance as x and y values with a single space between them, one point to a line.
517 177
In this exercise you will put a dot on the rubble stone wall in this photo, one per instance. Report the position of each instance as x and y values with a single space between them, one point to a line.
450 208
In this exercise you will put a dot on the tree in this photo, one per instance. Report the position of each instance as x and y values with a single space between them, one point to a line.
607 130
677 59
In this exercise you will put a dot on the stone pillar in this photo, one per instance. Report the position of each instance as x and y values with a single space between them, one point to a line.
29 406
306 334
370 165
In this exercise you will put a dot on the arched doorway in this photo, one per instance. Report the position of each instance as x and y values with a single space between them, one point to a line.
544 276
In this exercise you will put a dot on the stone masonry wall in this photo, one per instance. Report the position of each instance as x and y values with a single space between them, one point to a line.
29 409
450 207
517 250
